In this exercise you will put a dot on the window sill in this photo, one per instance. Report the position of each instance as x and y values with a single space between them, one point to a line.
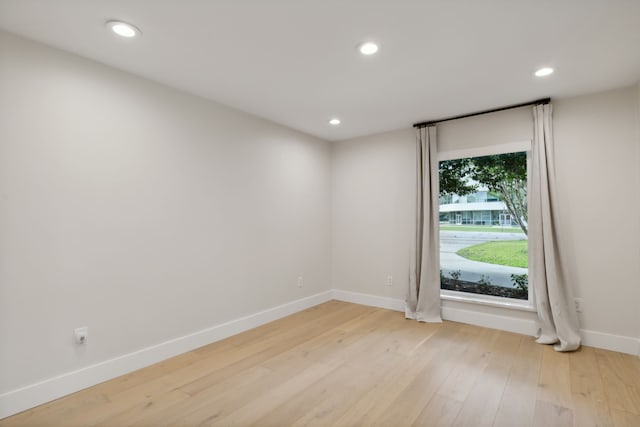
492 301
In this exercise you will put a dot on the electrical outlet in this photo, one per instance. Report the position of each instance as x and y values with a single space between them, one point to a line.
579 303
389 280
300 281
80 335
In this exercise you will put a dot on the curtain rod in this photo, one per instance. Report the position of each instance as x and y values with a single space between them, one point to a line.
495 110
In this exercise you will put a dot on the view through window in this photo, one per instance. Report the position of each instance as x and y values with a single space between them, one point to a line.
483 225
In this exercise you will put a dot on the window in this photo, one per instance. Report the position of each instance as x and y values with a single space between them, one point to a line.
483 237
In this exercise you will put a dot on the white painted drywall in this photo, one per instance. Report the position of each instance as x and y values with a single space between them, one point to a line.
141 212
597 158
499 128
597 169
372 212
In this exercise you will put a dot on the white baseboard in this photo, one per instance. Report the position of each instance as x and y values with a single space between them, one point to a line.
602 340
370 300
32 395
611 342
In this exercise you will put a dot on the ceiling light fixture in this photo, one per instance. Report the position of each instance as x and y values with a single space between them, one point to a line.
544 72
123 29
368 48
334 122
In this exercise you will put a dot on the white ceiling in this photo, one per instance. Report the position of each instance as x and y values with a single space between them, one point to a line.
295 61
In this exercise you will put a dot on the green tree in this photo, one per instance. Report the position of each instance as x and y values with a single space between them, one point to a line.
454 177
504 174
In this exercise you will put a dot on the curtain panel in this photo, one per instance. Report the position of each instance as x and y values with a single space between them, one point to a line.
423 297
553 294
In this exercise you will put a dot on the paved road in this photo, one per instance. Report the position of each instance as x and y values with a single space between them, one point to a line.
453 241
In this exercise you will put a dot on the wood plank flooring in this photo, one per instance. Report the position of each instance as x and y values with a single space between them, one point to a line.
341 364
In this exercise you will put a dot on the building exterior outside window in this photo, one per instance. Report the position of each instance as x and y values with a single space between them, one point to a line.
480 208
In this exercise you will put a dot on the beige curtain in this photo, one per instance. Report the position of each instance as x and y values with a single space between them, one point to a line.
423 297
554 299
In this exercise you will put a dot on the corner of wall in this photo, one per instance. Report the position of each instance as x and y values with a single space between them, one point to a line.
36 394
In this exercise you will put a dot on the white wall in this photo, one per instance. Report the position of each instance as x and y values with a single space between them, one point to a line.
597 168
480 131
141 212
598 180
373 203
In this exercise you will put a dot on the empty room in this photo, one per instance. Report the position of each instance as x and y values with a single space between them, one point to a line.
320 213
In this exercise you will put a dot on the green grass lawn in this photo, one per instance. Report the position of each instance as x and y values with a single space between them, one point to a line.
487 229
513 253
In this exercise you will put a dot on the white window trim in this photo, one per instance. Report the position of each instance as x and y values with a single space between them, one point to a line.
489 150
489 300
502 302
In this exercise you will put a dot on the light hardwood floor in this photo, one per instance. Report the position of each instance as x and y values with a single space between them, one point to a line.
341 364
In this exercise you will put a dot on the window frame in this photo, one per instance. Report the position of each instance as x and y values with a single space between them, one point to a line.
490 300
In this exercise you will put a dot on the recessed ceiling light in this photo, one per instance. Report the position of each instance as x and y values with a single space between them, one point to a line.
123 29
368 48
543 72
334 122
